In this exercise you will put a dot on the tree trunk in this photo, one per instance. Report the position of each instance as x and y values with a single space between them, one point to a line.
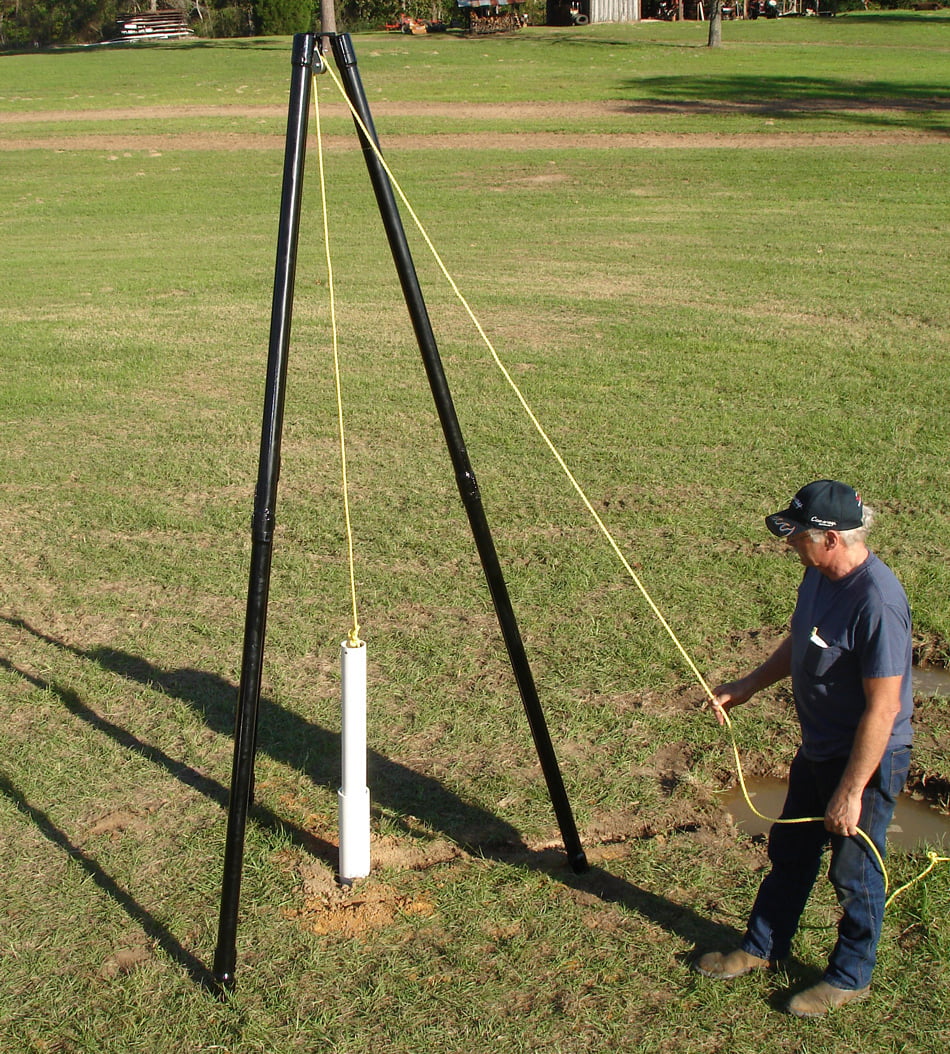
715 24
327 16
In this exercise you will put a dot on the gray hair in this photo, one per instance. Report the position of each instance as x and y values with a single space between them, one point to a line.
857 535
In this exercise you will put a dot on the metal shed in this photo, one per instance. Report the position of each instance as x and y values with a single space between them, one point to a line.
614 10
580 12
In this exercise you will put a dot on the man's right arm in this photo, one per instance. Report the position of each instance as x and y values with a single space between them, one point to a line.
777 666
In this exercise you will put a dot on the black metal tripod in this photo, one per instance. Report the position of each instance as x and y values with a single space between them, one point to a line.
305 61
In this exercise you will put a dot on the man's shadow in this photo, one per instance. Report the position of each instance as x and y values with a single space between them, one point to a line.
315 752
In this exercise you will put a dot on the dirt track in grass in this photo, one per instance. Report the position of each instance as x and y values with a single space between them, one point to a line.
216 139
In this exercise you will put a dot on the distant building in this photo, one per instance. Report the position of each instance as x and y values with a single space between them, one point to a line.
581 12
161 24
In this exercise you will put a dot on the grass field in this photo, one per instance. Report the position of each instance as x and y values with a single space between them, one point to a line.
715 275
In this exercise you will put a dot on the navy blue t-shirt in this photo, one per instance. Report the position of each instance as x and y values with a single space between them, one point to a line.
842 632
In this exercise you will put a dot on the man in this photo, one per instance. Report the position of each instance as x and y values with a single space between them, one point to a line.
849 658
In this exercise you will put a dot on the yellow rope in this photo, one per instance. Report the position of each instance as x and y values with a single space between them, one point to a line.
794 819
593 512
934 860
353 638
534 420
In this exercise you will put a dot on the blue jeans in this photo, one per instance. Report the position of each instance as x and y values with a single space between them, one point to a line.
795 852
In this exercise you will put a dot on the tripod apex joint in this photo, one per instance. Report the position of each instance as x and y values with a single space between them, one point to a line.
306 54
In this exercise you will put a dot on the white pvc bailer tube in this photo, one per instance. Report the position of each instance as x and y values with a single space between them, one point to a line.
354 793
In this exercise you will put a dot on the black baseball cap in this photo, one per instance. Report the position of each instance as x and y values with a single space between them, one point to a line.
825 505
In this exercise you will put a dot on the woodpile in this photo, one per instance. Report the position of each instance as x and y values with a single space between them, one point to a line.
494 20
154 25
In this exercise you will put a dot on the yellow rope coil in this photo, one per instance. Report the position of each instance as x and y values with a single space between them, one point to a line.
934 859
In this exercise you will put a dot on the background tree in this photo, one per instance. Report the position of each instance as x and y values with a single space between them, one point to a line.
40 23
715 24
327 16
280 17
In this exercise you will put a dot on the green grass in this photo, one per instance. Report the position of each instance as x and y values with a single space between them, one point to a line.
701 327
859 72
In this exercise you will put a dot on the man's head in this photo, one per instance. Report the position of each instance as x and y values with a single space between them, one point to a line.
826 523
825 505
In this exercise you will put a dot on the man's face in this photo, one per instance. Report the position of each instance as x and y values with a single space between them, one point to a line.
811 553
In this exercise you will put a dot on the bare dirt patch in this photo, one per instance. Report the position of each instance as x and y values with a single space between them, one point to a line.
125 959
218 140
514 141
352 911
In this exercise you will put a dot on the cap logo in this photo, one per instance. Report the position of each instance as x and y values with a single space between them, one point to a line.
785 527
823 523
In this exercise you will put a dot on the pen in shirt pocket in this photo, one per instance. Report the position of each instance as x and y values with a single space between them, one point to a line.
815 639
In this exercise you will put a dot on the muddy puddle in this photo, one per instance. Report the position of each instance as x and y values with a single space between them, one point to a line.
931 680
915 825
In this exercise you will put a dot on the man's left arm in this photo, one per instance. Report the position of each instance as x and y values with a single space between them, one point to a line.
883 704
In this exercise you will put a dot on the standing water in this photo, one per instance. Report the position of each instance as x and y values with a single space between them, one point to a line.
915 823
931 681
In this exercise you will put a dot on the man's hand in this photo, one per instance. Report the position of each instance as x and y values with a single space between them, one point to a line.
843 813
734 693
726 696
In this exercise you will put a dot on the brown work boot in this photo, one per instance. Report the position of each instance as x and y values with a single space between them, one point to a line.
723 967
822 997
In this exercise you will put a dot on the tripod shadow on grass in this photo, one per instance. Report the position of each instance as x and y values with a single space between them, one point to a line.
315 752
150 925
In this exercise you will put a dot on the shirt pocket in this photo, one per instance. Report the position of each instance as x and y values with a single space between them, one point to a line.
819 661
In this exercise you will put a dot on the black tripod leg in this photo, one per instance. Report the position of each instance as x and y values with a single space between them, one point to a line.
265 500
